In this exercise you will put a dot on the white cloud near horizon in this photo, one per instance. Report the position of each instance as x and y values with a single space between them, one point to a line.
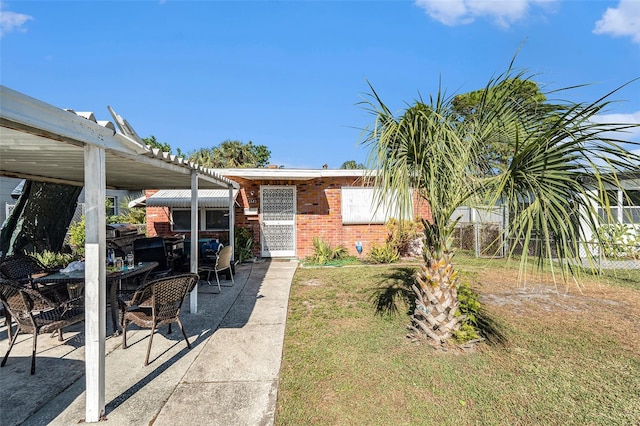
623 20
462 12
632 118
11 21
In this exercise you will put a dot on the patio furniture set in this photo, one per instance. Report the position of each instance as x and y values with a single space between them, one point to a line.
148 295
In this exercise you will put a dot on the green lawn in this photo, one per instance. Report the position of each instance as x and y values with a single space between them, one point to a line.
569 358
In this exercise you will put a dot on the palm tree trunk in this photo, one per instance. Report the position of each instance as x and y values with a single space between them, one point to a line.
435 315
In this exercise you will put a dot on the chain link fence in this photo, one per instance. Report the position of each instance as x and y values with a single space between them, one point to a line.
480 230
625 256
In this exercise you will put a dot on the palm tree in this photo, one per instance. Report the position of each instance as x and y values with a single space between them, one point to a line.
556 151
203 156
232 154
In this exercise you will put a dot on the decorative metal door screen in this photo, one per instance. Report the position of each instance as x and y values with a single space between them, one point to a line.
278 221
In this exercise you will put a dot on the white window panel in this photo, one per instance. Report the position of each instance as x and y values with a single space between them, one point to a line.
359 207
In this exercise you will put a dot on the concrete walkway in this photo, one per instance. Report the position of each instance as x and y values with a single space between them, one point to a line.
229 377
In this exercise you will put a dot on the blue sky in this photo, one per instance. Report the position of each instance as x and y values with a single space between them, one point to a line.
290 74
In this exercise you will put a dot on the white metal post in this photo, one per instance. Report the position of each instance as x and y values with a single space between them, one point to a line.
193 266
231 223
620 206
95 281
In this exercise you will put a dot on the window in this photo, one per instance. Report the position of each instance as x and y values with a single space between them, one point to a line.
216 220
111 206
631 207
611 195
628 212
209 219
180 220
632 198
358 207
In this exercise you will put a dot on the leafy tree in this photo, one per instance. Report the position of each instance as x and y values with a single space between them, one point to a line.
429 149
232 154
162 146
154 143
351 165
518 94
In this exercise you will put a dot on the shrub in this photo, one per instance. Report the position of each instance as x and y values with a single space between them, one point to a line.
243 244
402 234
53 260
386 253
470 308
323 253
77 236
619 241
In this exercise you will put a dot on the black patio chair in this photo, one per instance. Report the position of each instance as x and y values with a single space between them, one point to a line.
154 304
34 313
208 260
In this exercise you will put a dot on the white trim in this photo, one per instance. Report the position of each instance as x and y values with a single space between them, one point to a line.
292 174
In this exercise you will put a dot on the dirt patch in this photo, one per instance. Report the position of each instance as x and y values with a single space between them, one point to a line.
603 309
547 299
501 288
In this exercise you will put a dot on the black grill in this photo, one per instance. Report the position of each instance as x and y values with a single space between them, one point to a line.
120 236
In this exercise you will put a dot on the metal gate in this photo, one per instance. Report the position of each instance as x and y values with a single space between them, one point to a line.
278 221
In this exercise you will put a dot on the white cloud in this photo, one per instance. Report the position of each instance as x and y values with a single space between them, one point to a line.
11 21
623 20
632 118
460 12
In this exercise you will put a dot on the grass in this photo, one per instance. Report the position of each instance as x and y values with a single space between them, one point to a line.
571 358
349 260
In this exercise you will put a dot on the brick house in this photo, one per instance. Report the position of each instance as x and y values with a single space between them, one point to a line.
284 209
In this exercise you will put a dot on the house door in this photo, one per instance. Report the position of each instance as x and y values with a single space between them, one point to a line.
278 221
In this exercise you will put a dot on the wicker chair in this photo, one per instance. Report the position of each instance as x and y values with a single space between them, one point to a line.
154 304
21 268
35 313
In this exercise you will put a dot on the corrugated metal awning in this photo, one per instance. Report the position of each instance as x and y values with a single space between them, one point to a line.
207 198
43 143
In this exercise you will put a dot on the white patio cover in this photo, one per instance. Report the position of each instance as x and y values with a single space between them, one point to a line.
41 142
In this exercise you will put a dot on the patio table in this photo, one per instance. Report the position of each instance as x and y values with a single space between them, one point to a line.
114 278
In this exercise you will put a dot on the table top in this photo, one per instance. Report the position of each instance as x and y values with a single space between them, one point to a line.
78 276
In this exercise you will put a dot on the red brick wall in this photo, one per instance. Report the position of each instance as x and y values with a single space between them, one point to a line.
318 206
318 214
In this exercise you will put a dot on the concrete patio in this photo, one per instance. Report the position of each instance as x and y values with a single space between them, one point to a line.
230 376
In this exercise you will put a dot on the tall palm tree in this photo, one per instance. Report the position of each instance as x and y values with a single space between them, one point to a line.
232 154
556 152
